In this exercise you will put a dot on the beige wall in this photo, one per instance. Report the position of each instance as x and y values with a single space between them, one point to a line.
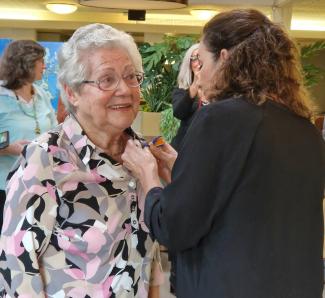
18 33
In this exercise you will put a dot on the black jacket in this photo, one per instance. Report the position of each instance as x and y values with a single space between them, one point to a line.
244 209
184 108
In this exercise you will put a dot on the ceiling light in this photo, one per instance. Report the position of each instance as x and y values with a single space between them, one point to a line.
203 14
61 8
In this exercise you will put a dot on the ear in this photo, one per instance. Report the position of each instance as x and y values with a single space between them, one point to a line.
224 55
72 98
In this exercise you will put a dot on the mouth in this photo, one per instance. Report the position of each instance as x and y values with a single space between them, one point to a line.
120 106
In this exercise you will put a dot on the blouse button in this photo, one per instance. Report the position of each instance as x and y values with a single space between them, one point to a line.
132 184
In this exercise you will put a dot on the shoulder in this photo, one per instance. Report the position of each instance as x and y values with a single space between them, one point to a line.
232 111
6 93
46 142
8 102
179 92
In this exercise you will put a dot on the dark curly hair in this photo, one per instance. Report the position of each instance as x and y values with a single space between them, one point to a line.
17 65
263 63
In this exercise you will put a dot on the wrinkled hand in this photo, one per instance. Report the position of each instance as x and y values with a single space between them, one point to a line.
142 164
166 156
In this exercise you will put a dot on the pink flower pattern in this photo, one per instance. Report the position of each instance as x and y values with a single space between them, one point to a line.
67 226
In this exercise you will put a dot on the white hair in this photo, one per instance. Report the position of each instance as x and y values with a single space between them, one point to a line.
73 68
185 76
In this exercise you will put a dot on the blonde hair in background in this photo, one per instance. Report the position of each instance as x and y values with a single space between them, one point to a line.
185 76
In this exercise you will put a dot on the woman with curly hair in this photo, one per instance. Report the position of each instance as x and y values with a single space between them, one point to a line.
25 108
243 210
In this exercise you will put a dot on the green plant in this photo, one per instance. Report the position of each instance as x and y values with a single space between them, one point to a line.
169 124
161 63
312 73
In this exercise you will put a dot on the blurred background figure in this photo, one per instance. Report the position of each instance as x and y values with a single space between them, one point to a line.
61 113
83 233
187 98
25 108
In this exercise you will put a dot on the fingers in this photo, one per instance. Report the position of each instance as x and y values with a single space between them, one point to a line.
23 142
164 152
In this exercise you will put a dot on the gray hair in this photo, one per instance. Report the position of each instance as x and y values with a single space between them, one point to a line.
73 68
185 76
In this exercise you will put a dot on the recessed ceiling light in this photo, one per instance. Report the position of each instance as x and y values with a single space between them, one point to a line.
61 8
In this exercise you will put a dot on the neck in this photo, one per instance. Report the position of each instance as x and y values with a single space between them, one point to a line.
112 143
26 92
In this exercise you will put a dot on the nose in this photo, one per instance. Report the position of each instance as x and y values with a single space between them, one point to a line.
122 88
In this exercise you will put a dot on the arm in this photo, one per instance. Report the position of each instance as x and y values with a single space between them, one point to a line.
15 148
157 274
29 217
154 292
182 103
203 178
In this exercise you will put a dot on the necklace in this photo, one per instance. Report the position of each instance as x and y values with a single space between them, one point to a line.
37 126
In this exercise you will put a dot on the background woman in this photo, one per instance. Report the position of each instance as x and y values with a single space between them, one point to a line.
243 210
25 108
186 98
73 212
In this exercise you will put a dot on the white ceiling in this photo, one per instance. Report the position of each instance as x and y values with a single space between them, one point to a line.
33 14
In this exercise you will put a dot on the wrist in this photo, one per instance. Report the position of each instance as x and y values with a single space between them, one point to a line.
192 91
149 183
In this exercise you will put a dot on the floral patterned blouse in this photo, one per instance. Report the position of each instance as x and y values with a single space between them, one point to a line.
73 223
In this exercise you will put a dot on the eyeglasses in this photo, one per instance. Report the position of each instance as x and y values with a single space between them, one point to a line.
110 81
194 58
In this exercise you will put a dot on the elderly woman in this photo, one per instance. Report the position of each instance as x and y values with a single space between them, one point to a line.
243 210
25 108
73 224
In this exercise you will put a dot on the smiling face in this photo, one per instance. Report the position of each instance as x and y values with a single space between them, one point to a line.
109 111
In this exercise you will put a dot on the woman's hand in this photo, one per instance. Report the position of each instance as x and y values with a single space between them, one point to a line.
166 156
142 164
193 90
15 148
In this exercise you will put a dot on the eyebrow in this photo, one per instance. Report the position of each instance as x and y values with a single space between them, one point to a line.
103 69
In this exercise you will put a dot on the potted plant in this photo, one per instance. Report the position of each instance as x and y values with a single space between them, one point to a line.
312 73
161 65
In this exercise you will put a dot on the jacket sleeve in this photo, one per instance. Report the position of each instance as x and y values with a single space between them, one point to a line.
29 218
183 105
204 176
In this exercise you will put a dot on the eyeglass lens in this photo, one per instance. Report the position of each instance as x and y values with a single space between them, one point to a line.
111 80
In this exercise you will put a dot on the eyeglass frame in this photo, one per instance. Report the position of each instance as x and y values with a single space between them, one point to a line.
98 82
194 58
